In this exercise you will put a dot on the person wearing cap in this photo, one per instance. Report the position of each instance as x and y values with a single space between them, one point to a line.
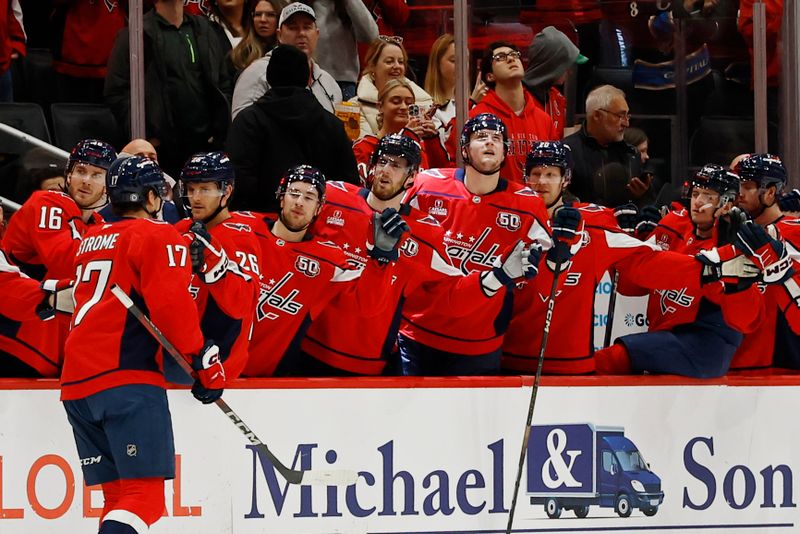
285 127
187 88
297 26
550 57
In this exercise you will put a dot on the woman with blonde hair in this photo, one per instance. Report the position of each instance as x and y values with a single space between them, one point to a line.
386 60
260 35
394 102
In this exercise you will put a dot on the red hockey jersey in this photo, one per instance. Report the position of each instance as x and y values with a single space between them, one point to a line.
21 295
107 347
781 314
669 308
42 238
342 336
603 246
227 306
479 230
298 281
530 126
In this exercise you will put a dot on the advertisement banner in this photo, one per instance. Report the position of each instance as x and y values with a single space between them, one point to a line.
438 460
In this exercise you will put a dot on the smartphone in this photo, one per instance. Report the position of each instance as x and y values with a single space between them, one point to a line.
413 111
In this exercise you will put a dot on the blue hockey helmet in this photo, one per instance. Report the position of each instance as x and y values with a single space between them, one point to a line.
483 121
550 154
208 167
92 152
302 173
399 145
764 169
714 177
129 179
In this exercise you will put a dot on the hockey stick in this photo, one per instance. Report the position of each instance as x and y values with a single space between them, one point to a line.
612 304
527 435
292 476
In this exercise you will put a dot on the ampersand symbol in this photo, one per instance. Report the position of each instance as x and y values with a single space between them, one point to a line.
556 445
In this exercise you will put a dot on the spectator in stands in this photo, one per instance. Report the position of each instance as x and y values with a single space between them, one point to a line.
40 170
260 35
501 69
12 45
297 26
284 128
550 57
230 19
80 56
600 143
186 87
386 60
394 102
638 138
343 24
440 83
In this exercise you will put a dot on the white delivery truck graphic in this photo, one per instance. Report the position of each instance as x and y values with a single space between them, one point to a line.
575 466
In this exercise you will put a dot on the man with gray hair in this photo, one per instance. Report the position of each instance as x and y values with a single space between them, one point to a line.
599 152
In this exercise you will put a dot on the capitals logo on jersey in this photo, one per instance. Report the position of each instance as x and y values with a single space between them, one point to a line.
307 266
466 252
269 296
674 296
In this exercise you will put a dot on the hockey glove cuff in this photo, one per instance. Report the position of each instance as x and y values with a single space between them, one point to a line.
521 263
627 217
209 259
58 298
790 201
649 218
768 253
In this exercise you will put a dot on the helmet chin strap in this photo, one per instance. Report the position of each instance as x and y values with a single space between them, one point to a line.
216 212
154 214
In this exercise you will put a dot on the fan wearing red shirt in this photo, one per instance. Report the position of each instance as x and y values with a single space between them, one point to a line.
303 272
527 123
42 239
343 339
112 385
225 257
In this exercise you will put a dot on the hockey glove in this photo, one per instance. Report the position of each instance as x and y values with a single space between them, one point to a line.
627 216
521 262
58 298
768 253
726 264
790 201
648 220
566 236
209 260
209 374
387 229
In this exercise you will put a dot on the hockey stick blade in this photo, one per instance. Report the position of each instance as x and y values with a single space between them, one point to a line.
292 476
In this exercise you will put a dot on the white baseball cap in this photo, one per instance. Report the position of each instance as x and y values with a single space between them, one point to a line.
294 9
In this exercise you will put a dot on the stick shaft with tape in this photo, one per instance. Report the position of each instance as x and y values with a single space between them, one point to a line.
293 476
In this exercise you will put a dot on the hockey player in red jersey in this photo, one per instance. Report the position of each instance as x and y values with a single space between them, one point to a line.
302 272
694 332
775 342
225 257
112 386
342 339
42 239
599 245
484 216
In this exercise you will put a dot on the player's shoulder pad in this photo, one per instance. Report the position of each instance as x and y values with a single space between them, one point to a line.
327 251
244 214
52 198
337 184
439 174
238 227
525 191
428 220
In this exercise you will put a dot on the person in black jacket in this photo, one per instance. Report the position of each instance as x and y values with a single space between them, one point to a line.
285 127
600 153
187 90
